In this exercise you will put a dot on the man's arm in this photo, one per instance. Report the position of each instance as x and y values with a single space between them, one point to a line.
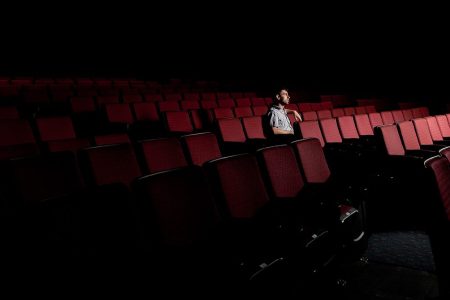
281 131
297 116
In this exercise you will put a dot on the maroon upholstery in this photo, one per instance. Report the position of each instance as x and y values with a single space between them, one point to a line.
360 110
181 205
47 177
240 184
146 111
409 136
388 118
191 97
312 160
260 110
363 125
55 128
223 113
423 131
283 172
303 107
111 164
231 130
243 102
441 170
398 116
208 104
338 112
119 113
179 121
82 104
8 113
153 97
253 127
172 97
349 111
443 125
436 134
202 147
257 101
168 106
311 129
163 154
407 113
326 105
309 116
226 103
392 140
190 104
243 111
375 119
16 139
324 114
348 127
330 131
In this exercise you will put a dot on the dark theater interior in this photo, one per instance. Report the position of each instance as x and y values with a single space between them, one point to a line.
137 158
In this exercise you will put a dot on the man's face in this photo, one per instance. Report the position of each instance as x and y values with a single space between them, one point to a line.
284 97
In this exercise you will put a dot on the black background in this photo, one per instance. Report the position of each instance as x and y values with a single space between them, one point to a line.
362 50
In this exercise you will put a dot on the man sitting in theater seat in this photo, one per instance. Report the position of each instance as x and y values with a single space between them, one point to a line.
278 120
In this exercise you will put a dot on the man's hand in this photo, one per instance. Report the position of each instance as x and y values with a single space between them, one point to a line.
297 116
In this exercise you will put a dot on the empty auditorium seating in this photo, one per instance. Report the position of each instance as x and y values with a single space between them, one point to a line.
201 147
163 154
311 129
109 164
179 122
119 138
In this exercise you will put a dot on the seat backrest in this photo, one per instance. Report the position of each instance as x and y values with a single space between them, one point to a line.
202 147
338 112
407 113
398 116
119 113
55 128
283 173
239 184
423 131
181 205
443 125
375 119
324 114
348 127
110 164
243 111
254 127
441 170
40 178
309 116
15 132
178 121
388 118
231 130
330 131
312 160
311 129
409 136
436 134
360 110
163 154
363 124
349 111
391 139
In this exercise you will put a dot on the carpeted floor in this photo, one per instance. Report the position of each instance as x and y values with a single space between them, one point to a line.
400 266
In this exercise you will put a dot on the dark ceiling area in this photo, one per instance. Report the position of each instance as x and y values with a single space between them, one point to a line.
377 53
